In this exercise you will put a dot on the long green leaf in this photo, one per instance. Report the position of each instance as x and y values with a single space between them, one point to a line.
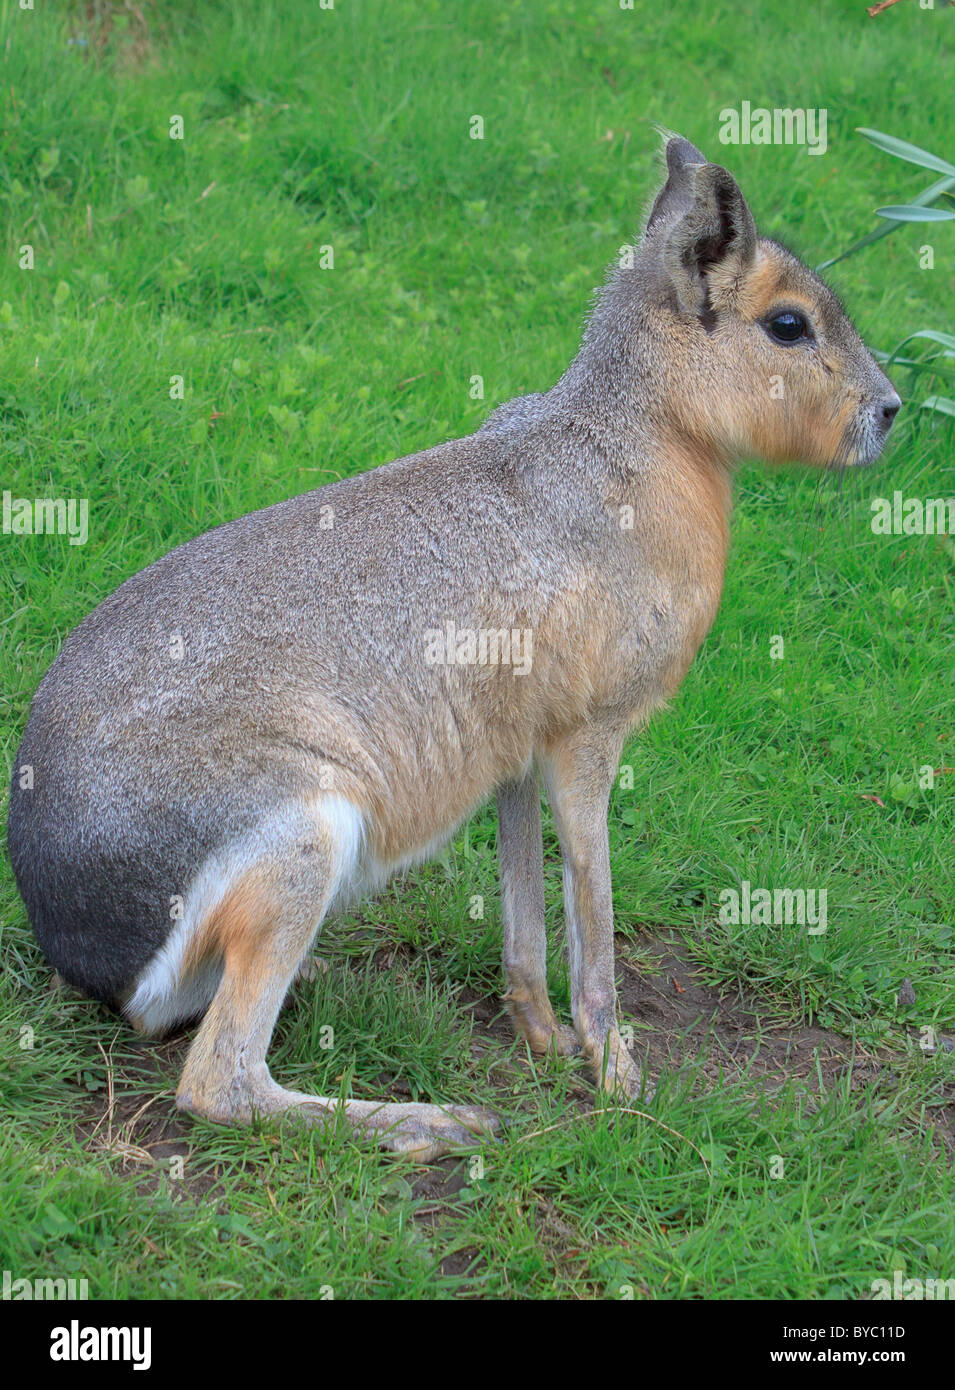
940 403
933 191
903 150
910 212
943 362
945 340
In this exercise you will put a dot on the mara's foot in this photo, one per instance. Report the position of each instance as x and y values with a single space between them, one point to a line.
424 1131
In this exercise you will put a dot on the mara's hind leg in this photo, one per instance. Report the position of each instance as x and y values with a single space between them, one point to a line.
263 929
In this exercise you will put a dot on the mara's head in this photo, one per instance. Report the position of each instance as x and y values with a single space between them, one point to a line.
760 357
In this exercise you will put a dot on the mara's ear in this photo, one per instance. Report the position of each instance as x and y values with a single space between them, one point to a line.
676 196
711 228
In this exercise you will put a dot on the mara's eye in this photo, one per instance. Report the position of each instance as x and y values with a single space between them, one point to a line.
787 327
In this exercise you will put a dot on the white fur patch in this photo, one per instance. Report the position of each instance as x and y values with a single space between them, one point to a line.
162 997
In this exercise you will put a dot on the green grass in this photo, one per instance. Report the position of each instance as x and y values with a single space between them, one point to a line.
453 257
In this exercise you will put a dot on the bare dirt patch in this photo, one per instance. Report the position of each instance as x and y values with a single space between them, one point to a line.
133 1120
676 1013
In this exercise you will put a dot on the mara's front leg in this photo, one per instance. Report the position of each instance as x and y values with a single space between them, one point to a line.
521 853
578 773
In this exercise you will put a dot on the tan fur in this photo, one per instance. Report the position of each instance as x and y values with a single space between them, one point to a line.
237 928
308 749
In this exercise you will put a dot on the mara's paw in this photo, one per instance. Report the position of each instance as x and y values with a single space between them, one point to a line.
539 1027
564 1041
618 1075
637 1086
426 1132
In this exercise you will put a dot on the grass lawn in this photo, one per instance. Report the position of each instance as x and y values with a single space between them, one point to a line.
801 1141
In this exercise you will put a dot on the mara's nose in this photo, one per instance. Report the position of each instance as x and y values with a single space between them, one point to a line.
889 410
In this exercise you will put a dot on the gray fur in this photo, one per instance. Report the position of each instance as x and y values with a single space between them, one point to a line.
303 665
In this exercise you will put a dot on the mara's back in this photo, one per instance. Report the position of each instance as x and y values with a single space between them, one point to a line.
279 656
